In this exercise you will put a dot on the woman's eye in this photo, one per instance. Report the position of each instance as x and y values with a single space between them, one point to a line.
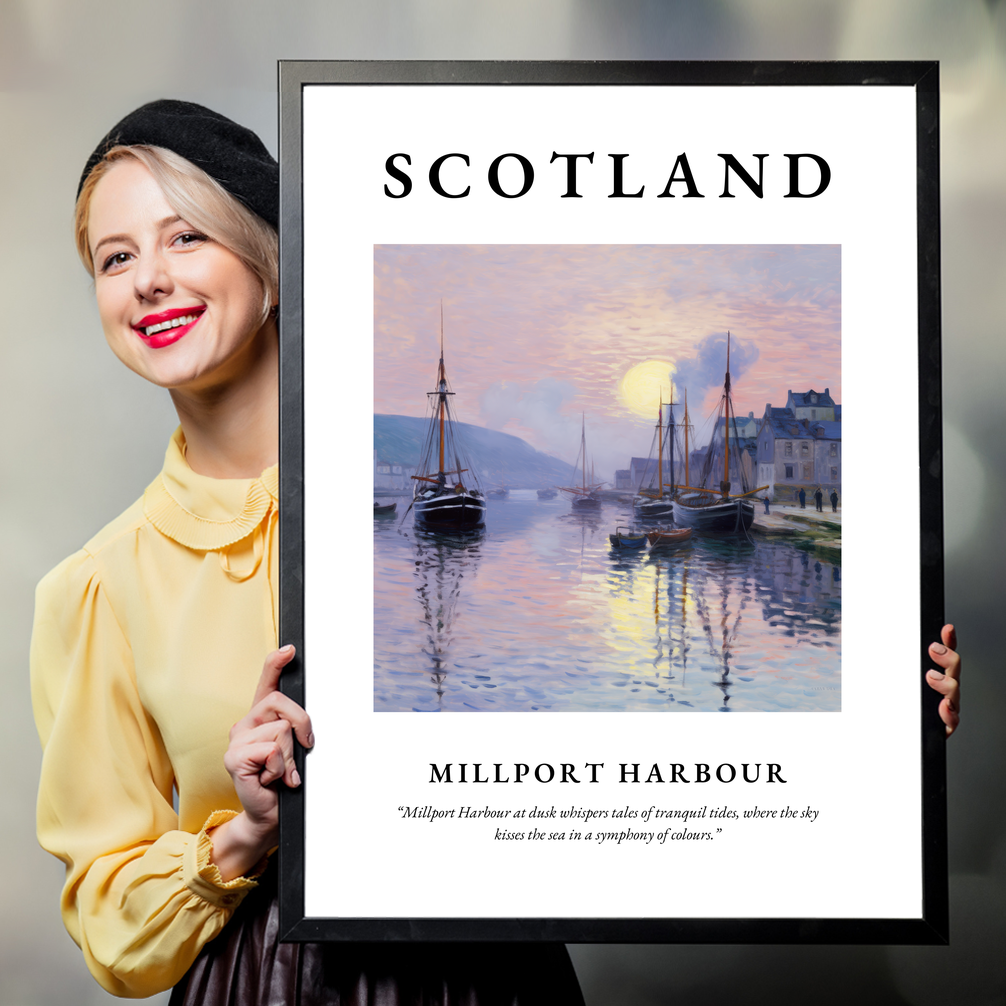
190 238
114 261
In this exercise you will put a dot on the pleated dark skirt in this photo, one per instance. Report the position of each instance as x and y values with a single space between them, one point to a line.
246 965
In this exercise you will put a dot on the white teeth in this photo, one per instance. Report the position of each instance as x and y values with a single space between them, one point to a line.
173 323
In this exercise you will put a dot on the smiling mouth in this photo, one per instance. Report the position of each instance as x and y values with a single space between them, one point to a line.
164 326
167 327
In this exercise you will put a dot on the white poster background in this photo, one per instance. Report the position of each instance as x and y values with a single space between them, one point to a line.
860 768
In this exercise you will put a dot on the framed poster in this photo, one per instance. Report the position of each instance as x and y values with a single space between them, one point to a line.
673 700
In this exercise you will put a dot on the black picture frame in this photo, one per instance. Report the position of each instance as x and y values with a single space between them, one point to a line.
931 927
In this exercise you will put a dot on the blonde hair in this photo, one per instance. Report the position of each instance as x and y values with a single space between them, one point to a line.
199 200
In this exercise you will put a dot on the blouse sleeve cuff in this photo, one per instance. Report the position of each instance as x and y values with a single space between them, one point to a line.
202 876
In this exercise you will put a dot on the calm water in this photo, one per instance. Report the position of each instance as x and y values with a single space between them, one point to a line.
539 612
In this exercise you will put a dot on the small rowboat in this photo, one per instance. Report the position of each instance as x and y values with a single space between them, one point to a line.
668 536
383 509
625 537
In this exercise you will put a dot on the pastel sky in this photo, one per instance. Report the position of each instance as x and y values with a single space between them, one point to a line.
535 335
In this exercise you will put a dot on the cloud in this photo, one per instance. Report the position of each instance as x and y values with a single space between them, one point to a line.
707 367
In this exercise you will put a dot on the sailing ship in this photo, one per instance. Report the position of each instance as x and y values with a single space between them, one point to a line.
441 498
654 502
500 492
717 511
585 495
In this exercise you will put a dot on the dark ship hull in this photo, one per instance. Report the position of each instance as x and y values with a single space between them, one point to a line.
728 517
650 509
449 510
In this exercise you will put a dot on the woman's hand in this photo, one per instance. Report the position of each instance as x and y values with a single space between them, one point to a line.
260 754
947 681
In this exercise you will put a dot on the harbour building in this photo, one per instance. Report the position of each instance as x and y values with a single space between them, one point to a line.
800 446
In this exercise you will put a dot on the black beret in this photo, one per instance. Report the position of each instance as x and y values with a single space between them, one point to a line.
230 154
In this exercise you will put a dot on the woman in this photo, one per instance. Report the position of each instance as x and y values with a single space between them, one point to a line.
149 642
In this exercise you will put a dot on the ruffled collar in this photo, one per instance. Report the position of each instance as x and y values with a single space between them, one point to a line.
203 513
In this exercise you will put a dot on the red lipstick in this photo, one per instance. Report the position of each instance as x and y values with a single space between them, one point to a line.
165 324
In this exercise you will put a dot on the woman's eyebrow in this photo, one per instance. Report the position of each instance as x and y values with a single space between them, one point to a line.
109 240
160 225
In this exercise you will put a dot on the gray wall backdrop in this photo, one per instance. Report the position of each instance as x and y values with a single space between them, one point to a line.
82 436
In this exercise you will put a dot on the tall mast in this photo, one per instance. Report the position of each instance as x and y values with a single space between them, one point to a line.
726 430
670 437
442 388
660 446
687 482
583 448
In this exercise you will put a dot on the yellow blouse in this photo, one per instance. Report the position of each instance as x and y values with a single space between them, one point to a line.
147 647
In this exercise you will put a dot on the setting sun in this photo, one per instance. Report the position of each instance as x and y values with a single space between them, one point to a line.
645 385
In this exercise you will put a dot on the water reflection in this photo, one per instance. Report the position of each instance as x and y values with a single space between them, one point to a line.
443 564
537 612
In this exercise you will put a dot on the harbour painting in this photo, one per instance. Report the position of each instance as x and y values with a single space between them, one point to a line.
607 478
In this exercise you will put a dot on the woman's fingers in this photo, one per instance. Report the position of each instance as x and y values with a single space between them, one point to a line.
260 762
271 671
947 686
261 750
945 653
277 706
274 735
949 711
274 766
270 703
949 636
947 680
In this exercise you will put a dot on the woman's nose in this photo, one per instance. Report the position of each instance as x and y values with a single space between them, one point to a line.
152 277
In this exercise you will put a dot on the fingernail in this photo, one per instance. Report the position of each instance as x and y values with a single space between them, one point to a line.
936 676
295 777
286 649
310 740
938 648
